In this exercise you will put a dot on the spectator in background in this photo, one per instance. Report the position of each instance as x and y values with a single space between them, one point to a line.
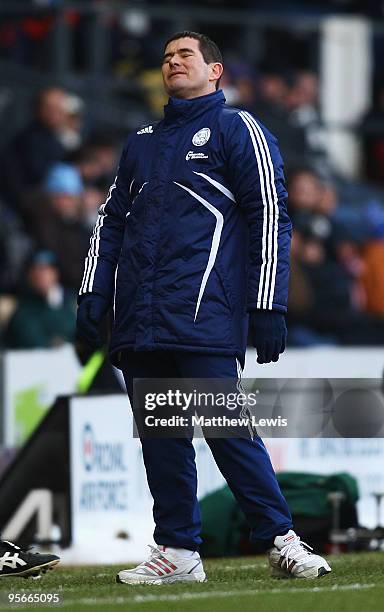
372 134
327 303
373 261
96 163
317 200
45 314
336 295
322 309
93 197
96 159
71 133
15 244
270 108
302 105
239 83
56 221
311 204
42 143
105 148
305 191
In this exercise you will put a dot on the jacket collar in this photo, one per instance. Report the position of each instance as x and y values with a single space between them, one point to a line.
179 109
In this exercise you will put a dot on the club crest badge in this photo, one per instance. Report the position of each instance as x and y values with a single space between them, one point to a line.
201 137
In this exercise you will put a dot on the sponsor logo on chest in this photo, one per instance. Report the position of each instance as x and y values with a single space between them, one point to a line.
193 155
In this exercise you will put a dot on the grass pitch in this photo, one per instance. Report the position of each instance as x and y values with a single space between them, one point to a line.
356 584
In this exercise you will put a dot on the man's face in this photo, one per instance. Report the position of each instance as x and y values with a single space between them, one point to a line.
65 205
42 277
52 111
185 73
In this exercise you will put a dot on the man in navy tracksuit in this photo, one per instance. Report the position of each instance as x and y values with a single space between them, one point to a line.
191 247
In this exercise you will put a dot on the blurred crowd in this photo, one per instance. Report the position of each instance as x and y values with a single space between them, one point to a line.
57 169
53 183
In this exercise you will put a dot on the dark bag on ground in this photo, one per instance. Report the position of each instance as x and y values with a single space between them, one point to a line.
225 531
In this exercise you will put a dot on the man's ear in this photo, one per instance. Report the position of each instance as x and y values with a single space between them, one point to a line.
216 71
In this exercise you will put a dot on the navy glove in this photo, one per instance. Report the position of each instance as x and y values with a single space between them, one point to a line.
90 313
268 333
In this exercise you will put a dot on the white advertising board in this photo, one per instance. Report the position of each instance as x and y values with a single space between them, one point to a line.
111 504
320 362
31 382
33 379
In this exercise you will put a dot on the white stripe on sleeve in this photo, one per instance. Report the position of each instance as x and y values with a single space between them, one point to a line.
275 225
270 212
94 246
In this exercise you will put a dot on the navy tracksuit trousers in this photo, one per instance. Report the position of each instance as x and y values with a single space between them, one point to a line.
170 463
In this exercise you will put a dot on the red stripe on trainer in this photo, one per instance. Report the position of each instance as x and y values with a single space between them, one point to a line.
158 572
162 566
167 562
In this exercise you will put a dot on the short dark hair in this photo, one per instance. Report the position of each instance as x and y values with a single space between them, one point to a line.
209 49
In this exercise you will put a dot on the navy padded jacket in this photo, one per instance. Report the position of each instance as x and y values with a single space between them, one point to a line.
194 232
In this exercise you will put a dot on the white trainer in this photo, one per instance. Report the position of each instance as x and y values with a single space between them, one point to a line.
291 558
164 566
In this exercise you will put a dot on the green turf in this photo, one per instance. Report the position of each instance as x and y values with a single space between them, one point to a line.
355 585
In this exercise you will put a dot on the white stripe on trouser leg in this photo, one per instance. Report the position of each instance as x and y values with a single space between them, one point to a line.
215 242
239 384
244 412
